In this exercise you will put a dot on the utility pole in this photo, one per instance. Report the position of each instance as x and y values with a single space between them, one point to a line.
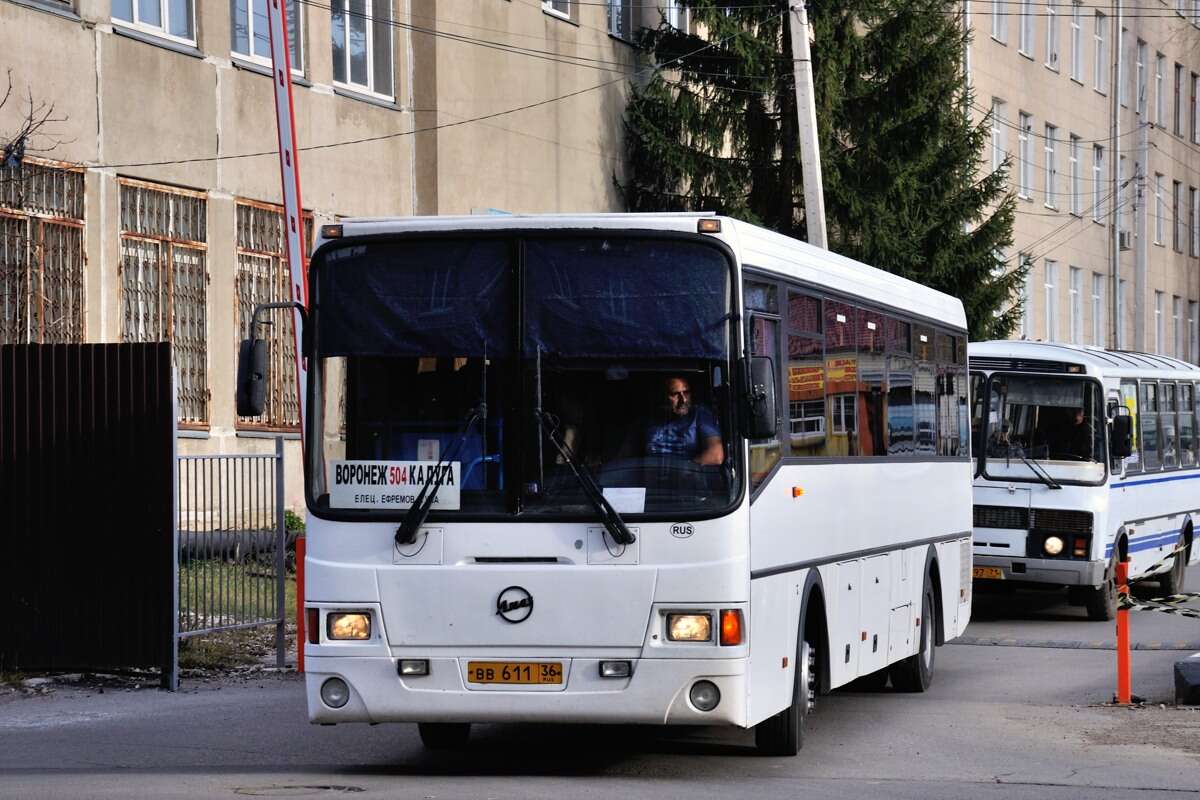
1140 245
1114 155
806 119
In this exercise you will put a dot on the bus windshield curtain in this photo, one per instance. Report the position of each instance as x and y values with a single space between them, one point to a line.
621 297
433 297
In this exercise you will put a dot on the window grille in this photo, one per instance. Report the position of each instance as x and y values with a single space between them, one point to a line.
164 283
263 277
41 254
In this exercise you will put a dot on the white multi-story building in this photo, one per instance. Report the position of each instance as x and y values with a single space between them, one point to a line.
1047 73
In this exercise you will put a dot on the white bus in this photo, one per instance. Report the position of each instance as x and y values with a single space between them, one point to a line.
1085 457
546 479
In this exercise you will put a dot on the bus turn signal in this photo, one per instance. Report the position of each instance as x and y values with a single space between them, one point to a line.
731 626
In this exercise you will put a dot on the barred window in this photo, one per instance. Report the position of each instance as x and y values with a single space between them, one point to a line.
41 254
262 277
164 283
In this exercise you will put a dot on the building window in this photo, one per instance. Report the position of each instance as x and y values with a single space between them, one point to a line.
1000 21
1077 41
560 8
1140 78
1119 210
1025 34
263 277
998 145
1098 183
1076 307
1051 147
1123 67
251 32
1159 341
1177 232
172 18
1177 326
1120 323
1193 333
1098 335
1076 194
41 254
1051 301
1026 298
1025 155
1160 97
1178 116
676 15
1051 35
620 19
362 45
1100 65
1195 115
1193 228
1159 209
164 283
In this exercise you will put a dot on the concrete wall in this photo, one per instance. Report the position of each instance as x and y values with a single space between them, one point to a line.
1027 82
132 100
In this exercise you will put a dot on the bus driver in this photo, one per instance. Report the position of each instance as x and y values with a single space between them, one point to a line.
689 431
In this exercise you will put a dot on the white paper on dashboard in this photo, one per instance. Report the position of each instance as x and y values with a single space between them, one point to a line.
626 500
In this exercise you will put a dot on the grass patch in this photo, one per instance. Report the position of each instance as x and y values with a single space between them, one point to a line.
12 678
214 593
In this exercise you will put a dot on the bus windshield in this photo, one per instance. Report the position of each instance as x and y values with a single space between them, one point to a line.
1057 424
468 358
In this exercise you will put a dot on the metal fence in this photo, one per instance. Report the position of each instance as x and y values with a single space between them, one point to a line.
232 544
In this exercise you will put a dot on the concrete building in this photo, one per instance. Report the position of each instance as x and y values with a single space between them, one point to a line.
1046 72
147 210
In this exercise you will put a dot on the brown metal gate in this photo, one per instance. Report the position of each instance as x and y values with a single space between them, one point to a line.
87 466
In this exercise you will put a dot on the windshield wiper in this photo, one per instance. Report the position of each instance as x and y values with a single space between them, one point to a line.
608 515
1036 468
415 517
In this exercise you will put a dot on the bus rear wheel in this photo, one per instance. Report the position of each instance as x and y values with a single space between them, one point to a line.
1172 581
1102 602
783 734
915 673
444 735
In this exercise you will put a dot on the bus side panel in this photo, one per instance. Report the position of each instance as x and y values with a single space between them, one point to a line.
774 627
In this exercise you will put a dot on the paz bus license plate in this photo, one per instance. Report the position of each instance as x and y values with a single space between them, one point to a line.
514 672
993 573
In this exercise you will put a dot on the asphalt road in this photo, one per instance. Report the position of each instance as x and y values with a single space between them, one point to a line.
1017 719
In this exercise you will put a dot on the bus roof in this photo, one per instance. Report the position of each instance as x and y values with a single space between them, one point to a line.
1051 356
755 246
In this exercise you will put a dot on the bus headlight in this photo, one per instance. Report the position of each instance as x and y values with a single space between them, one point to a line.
689 628
1053 545
354 625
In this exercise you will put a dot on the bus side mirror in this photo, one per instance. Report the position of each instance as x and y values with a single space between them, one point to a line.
760 394
252 377
1120 436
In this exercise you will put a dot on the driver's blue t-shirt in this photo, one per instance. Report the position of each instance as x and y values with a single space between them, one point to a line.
682 436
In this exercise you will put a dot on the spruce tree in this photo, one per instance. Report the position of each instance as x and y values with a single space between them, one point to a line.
904 178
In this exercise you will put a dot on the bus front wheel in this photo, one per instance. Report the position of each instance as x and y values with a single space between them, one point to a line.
444 735
1102 601
783 734
1172 582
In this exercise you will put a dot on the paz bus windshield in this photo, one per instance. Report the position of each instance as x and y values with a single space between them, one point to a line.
494 363
1058 424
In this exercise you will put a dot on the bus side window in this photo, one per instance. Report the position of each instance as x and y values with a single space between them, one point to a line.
1187 425
1148 412
1167 428
764 453
807 432
1129 396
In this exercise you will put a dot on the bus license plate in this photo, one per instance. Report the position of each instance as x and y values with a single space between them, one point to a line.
991 573
514 672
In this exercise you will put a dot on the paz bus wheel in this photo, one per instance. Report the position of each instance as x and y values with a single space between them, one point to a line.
783 734
1172 582
915 673
444 735
1102 601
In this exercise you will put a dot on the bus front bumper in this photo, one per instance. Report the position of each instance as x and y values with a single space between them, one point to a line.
656 693
1043 570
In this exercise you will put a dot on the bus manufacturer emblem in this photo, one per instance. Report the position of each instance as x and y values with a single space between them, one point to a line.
514 604
682 530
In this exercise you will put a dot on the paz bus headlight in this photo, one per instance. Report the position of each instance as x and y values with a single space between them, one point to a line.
689 628
352 625
1053 545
